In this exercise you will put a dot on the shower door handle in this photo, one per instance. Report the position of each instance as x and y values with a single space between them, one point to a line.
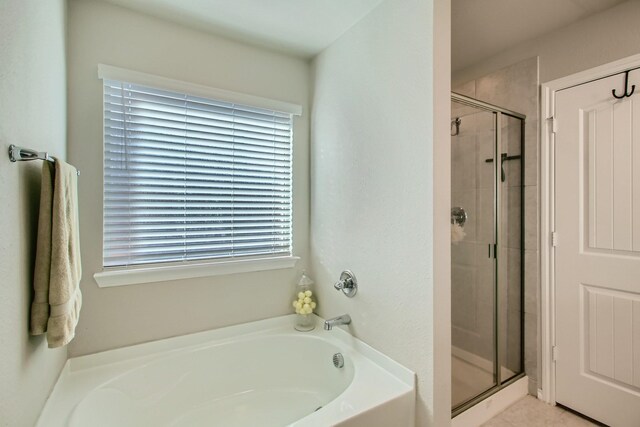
492 248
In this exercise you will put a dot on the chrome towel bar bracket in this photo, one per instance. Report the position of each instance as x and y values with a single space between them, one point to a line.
20 154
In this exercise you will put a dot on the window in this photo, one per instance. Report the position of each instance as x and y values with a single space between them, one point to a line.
191 178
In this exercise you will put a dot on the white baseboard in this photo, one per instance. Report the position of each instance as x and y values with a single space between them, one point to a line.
492 405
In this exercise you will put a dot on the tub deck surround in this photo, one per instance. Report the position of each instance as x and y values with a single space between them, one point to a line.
261 373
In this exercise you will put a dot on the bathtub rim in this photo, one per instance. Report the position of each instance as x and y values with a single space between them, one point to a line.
229 334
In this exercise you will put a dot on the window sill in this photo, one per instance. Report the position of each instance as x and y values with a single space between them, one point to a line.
133 276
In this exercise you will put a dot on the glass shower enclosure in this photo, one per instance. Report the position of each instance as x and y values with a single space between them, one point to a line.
487 249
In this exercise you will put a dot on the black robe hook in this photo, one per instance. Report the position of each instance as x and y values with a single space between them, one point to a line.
626 88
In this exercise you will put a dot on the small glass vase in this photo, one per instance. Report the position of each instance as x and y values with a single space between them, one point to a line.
304 304
305 322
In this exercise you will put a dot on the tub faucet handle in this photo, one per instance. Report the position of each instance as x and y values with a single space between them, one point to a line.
347 284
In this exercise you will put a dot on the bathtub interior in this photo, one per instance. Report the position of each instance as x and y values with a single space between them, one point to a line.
268 381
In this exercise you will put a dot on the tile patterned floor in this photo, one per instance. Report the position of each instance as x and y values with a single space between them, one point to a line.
531 412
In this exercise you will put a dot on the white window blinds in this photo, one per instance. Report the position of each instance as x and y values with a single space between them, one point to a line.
189 178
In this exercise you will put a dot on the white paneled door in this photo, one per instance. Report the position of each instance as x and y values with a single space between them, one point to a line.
597 265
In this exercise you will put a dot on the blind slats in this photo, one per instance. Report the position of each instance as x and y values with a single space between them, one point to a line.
200 184
214 148
137 92
177 118
210 234
192 130
249 147
188 178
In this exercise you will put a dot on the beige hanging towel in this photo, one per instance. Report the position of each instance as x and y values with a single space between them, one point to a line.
57 298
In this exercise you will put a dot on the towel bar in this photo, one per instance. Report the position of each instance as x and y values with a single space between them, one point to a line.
20 154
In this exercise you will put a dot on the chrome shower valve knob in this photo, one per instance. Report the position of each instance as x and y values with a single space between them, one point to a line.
347 284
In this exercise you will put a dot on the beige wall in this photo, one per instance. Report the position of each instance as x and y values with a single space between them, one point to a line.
596 40
373 190
32 114
120 316
439 370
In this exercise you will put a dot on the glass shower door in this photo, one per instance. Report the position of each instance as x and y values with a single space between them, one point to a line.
473 265
511 259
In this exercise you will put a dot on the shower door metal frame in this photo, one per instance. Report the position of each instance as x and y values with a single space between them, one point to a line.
497 246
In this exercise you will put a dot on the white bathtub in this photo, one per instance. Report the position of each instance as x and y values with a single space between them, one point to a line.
258 374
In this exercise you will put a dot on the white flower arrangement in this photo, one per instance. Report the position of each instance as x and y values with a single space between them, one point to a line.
305 303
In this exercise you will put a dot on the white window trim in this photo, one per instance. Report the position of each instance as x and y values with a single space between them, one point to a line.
189 270
121 74
122 276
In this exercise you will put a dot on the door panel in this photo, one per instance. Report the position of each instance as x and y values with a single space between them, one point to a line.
597 175
612 320
613 154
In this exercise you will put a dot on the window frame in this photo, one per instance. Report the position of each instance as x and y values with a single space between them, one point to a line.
157 272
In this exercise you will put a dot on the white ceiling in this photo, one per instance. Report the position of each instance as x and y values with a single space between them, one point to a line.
299 27
483 28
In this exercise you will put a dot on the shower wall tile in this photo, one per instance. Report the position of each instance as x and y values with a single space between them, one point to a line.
514 279
512 309
485 205
531 148
467 89
476 338
472 319
459 109
503 305
512 129
485 303
485 151
511 143
512 172
485 122
464 253
463 155
512 216
503 285
513 358
463 289
530 345
531 221
514 87
531 281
